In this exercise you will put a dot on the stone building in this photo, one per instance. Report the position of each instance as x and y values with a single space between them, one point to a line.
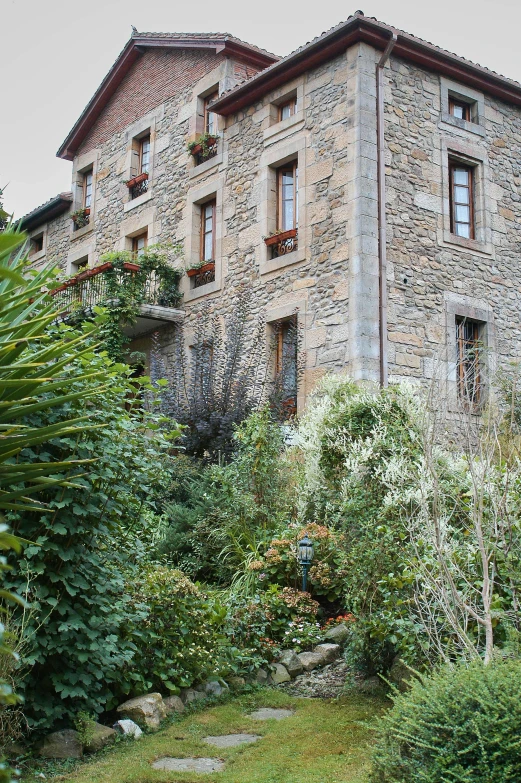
366 187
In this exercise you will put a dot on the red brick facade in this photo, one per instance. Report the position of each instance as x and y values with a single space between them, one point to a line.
158 75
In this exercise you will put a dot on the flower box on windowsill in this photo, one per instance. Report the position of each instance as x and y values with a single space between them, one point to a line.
80 215
198 149
131 183
276 238
200 270
130 266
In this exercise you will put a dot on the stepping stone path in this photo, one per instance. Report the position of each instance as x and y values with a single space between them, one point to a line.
231 740
189 765
267 712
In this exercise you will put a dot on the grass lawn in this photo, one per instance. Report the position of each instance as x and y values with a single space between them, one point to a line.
323 742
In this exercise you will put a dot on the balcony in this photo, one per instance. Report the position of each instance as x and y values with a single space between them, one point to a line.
202 275
158 296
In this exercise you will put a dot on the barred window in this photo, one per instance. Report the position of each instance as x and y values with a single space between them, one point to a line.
469 360
286 366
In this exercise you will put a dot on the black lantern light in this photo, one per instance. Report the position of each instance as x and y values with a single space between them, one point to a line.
305 556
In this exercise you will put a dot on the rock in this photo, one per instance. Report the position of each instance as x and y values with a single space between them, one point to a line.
62 745
203 765
101 736
310 660
269 713
371 685
236 683
173 704
290 660
329 652
262 676
400 675
188 695
128 728
147 710
338 634
214 688
327 682
279 674
231 740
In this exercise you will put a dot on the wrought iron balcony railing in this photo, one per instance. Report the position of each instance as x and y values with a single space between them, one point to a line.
93 287
282 243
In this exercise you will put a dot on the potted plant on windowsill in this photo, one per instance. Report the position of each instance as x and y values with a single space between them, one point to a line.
280 236
81 217
137 180
201 268
202 145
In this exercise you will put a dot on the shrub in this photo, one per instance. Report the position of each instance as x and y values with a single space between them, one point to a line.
358 447
178 634
280 565
273 620
83 543
460 725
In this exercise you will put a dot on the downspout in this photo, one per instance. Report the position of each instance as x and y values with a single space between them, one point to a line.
382 239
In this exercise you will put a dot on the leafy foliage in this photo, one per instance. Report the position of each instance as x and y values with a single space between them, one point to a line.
176 632
327 575
459 724
84 542
219 384
358 444
272 620
125 293
224 515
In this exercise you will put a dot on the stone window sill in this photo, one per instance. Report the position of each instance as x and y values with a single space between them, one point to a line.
448 122
203 290
35 257
283 128
472 245
137 202
274 264
81 232
203 168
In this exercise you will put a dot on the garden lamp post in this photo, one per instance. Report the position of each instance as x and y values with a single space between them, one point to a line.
305 556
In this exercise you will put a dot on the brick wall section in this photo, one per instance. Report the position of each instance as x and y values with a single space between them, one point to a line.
158 75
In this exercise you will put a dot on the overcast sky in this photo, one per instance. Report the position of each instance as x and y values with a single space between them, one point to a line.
56 52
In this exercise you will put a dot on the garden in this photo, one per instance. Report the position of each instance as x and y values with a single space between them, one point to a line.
174 535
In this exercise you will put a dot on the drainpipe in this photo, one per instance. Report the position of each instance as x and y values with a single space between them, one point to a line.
382 246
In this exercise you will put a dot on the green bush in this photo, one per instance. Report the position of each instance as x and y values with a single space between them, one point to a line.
273 620
178 634
358 446
84 541
460 725
279 564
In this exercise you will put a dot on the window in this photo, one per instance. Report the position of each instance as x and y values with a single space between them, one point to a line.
462 200
287 109
469 356
139 243
286 375
208 231
87 190
80 265
36 244
210 118
459 109
287 197
144 155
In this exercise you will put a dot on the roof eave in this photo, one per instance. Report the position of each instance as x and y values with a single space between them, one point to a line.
46 212
355 30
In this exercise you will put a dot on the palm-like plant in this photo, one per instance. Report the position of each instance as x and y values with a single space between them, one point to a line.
32 365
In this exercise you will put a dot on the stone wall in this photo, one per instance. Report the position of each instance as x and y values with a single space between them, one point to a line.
432 275
331 281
